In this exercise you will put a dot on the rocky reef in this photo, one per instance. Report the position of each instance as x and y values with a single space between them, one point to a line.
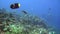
11 23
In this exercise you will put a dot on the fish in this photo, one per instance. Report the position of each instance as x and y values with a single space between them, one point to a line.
24 12
49 8
15 5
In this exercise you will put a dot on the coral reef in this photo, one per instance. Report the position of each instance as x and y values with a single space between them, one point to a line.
11 23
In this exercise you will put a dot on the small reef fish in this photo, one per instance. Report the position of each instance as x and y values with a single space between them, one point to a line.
15 6
24 12
49 8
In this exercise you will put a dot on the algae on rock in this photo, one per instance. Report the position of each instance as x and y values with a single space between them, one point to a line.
22 24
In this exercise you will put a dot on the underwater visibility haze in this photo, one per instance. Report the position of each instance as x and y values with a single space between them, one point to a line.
29 17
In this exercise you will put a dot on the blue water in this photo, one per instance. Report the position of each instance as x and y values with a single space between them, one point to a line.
47 9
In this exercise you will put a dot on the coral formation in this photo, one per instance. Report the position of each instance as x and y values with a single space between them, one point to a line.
22 24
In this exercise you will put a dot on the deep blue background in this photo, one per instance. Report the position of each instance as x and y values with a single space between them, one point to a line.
39 8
